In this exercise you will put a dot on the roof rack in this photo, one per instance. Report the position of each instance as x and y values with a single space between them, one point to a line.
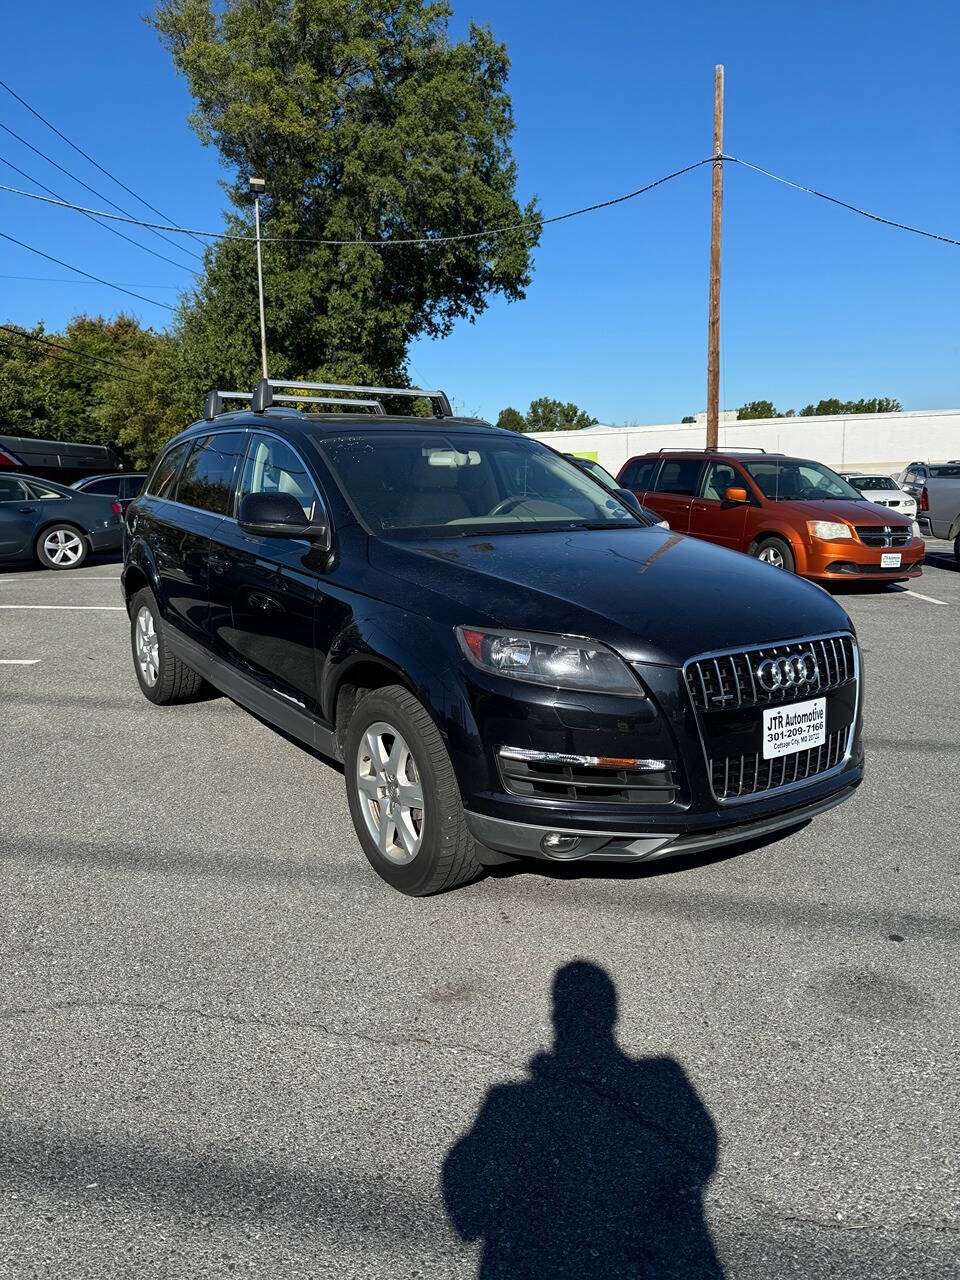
264 395
739 448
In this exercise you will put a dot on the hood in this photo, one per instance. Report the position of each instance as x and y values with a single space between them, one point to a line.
652 595
853 512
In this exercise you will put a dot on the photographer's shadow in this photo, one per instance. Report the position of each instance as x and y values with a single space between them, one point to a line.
595 1165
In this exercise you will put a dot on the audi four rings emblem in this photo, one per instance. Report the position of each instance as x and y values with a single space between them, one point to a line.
784 673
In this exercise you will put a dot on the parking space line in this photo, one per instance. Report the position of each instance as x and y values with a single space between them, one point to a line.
18 662
108 608
919 594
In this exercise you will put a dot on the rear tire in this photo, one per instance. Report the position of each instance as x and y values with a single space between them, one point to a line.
62 546
956 548
393 757
162 677
777 552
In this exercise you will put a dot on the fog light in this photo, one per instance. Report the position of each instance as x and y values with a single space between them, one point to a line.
555 842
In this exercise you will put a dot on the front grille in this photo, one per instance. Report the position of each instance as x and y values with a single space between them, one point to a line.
729 681
880 535
587 783
735 776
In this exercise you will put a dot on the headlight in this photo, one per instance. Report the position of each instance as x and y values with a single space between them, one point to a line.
566 662
829 530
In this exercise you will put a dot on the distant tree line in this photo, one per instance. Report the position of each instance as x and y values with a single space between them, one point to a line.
545 414
823 408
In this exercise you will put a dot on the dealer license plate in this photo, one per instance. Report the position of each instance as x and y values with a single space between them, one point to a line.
890 560
797 727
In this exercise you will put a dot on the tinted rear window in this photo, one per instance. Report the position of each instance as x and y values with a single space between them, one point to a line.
944 473
679 475
110 486
639 474
210 472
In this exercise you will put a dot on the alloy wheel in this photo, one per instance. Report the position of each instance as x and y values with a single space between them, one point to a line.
148 647
390 793
63 546
771 555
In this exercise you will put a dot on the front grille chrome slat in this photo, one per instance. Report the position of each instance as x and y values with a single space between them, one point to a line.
722 683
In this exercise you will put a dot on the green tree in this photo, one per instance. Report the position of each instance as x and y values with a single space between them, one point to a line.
545 414
827 408
368 124
756 409
512 419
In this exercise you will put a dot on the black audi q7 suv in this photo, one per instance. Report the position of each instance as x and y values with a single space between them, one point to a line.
507 660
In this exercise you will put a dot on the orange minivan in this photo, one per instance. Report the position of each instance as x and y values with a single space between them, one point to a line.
791 512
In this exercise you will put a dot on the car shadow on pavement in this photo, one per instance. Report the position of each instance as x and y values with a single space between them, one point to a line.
594 1165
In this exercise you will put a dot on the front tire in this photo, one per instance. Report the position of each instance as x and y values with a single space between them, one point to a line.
403 796
162 677
63 546
776 552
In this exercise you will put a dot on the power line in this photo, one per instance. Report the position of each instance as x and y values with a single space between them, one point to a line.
523 223
93 218
69 359
822 195
87 187
99 279
68 280
81 355
89 158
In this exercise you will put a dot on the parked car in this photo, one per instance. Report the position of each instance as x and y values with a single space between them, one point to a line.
505 659
57 526
61 460
883 490
939 513
594 469
793 513
122 485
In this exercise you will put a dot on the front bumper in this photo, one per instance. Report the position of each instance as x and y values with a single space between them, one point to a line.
851 560
524 840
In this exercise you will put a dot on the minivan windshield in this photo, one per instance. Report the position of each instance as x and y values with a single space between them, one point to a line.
436 483
793 480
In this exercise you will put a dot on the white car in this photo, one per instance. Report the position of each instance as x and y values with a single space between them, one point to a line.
883 490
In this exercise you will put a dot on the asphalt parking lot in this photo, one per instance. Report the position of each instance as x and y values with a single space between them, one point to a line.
226 1048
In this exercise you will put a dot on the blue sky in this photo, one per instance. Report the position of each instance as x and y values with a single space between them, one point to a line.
856 100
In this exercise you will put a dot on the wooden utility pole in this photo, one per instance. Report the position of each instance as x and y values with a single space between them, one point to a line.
713 323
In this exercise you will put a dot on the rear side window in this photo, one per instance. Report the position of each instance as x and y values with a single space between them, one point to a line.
40 491
209 475
679 475
639 474
12 490
130 486
109 486
164 479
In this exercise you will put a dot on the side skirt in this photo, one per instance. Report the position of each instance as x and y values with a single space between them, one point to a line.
251 695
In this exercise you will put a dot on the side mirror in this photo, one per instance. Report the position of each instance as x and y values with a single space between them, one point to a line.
279 515
735 495
630 498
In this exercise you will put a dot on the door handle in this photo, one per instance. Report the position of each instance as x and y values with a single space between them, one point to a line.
700 506
28 511
217 563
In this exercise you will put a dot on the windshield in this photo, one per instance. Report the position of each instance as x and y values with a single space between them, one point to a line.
790 480
873 482
433 483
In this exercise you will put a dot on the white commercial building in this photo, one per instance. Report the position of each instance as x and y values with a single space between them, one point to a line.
846 442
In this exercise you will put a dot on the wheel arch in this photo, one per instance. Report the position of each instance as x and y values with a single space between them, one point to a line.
784 534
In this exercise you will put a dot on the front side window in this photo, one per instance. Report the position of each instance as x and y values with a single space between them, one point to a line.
163 482
790 480
272 467
131 486
435 483
719 478
209 473
679 476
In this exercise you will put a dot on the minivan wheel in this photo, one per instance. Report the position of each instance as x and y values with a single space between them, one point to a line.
162 677
776 552
403 796
61 547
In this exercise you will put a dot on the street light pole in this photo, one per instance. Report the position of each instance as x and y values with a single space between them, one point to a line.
258 186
